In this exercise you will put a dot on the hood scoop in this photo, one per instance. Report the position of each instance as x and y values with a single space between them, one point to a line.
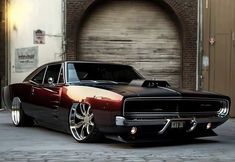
149 83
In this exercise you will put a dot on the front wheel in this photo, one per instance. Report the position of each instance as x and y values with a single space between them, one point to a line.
19 118
81 123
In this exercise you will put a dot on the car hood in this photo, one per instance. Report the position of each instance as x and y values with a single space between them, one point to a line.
139 91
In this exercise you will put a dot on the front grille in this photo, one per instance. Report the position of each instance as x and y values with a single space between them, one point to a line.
143 106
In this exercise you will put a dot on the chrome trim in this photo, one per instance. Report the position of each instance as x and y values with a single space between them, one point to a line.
168 121
66 73
44 75
120 120
224 111
194 125
15 111
61 71
168 114
81 121
179 97
169 89
34 73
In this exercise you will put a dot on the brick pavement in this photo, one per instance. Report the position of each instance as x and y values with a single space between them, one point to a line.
37 144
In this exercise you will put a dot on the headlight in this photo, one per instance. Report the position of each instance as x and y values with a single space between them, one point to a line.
224 109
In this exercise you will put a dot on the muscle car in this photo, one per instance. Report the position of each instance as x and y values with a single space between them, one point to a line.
91 100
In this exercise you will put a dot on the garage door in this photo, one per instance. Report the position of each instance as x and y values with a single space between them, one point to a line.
137 33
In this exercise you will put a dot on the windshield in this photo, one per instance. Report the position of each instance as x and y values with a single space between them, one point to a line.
96 71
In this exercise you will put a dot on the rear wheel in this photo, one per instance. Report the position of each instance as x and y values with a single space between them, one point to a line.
19 118
81 123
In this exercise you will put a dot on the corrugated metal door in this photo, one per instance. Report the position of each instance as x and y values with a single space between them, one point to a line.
138 33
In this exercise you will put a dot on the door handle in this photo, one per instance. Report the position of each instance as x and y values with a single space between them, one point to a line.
32 92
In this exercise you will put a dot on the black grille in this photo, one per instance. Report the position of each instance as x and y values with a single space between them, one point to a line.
171 105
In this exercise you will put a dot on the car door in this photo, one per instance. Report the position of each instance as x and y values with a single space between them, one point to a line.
45 97
52 89
34 107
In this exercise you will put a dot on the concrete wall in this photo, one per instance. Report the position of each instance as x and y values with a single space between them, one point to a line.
26 16
2 45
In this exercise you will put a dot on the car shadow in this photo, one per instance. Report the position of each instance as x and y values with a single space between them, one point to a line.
123 145
162 143
165 143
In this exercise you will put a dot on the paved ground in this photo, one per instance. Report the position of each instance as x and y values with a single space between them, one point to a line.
36 144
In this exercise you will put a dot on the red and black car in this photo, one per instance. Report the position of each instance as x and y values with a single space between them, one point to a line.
90 99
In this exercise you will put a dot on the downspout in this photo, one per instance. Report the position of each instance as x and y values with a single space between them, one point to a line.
64 5
199 46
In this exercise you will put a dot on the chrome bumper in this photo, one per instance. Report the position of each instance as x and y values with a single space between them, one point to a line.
165 123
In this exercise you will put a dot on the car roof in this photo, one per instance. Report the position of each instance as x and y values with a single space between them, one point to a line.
89 62
62 62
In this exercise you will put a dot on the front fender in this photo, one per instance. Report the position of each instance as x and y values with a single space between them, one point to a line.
105 104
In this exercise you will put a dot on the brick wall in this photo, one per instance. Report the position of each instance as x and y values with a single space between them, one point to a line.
184 12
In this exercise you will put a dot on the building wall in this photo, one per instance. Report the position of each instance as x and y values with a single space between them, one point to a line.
2 38
42 14
184 13
2 45
26 16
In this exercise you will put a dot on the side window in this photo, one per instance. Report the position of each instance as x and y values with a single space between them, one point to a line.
53 72
72 73
39 77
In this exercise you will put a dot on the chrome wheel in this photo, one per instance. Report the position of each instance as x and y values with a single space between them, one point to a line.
15 113
81 121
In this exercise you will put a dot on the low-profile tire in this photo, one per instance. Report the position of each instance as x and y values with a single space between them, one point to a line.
82 125
19 118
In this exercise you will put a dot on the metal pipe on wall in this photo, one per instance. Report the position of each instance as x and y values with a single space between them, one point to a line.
199 46
64 6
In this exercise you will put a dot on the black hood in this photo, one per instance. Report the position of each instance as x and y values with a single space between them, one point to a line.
128 90
136 91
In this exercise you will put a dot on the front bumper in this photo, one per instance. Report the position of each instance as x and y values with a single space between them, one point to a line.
165 124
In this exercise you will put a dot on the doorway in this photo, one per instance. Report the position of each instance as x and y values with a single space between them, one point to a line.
219 48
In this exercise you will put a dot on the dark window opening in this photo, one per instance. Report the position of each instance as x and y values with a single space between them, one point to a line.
111 72
39 77
53 72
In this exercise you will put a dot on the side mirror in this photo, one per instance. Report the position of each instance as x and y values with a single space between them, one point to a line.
50 81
